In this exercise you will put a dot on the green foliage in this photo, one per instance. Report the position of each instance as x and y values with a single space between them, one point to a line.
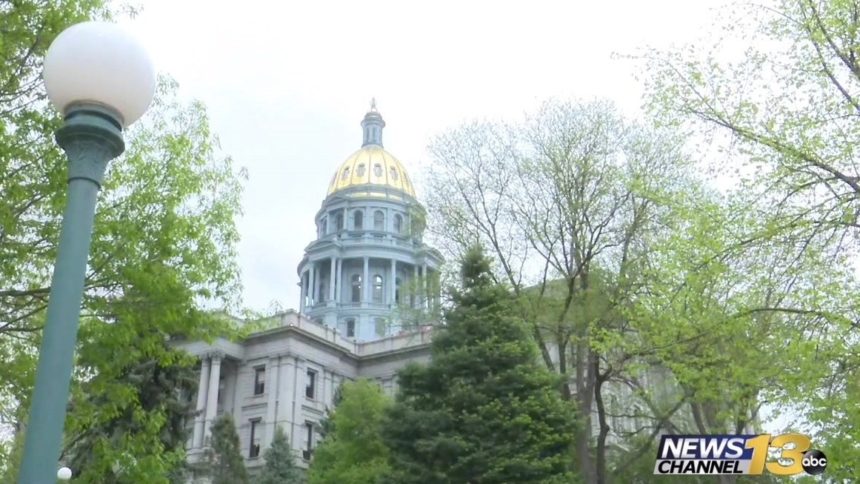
280 465
163 247
353 449
484 409
223 458
772 300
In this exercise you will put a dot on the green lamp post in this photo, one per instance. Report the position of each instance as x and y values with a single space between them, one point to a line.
102 80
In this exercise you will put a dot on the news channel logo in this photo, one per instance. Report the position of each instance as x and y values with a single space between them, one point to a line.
738 454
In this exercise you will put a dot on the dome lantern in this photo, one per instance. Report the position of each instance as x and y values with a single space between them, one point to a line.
372 125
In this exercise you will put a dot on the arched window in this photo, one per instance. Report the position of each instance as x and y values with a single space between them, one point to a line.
356 288
350 328
357 220
377 288
378 220
398 223
397 291
323 226
338 220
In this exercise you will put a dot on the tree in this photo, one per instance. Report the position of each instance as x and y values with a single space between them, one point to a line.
569 203
164 247
280 466
785 113
484 409
789 106
223 458
353 449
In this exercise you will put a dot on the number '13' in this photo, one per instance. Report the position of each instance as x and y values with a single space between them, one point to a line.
760 447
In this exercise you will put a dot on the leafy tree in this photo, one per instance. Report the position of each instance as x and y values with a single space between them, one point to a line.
224 461
785 113
280 465
353 449
326 425
163 247
484 409
569 203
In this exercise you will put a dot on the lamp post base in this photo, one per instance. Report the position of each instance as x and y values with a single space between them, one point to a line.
91 137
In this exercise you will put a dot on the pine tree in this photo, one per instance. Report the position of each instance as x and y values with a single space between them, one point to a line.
484 409
280 467
224 459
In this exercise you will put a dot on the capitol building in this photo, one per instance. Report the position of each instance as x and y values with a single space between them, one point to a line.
367 283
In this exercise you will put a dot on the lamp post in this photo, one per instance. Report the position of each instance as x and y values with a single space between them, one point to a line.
102 80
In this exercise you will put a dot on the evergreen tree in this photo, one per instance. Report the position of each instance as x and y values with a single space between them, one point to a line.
353 450
280 467
224 460
484 409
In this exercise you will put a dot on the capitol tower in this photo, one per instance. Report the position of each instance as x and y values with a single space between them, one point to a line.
368 273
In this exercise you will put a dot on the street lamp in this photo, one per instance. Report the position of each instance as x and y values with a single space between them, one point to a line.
64 474
102 80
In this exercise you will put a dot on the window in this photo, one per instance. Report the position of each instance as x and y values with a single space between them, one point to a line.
254 450
356 288
378 220
377 170
357 219
397 291
309 445
380 326
392 172
338 221
350 328
259 380
323 226
345 174
323 290
398 223
377 288
310 389
360 170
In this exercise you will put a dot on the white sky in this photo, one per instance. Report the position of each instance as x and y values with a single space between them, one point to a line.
287 84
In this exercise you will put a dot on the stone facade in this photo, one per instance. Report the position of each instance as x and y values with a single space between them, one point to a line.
287 376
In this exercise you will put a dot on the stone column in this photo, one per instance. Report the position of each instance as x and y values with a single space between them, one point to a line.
338 291
332 274
425 287
212 395
325 387
392 284
416 294
304 292
197 437
312 284
271 400
365 288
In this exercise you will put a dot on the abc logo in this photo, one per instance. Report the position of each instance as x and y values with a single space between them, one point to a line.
814 462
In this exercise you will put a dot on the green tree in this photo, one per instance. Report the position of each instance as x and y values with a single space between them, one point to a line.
353 449
280 465
163 247
484 409
568 203
784 112
223 458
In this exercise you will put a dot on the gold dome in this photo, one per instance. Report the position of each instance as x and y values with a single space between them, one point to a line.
371 166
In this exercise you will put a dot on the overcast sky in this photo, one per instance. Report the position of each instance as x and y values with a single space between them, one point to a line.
288 82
